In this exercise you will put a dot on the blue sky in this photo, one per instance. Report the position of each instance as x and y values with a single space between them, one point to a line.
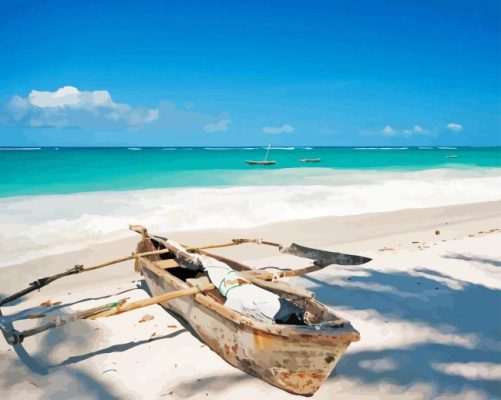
250 73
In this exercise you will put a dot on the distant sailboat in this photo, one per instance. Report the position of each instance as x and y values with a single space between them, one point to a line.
264 162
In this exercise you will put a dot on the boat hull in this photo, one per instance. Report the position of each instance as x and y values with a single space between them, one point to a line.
249 162
298 361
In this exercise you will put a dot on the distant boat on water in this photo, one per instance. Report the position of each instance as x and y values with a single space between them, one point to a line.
263 162
310 160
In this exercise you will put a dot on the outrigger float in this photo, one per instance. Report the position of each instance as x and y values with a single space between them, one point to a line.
250 318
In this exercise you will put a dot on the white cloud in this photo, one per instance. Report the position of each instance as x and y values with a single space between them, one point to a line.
70 96
389 131
69 107
416 130
276 130
455 127
219 126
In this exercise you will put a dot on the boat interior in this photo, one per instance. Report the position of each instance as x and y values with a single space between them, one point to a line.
313 312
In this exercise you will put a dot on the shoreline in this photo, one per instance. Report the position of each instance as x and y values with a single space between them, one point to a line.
415 220
55 224
409 303
294 176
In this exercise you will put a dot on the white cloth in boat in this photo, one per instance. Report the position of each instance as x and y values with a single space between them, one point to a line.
241 296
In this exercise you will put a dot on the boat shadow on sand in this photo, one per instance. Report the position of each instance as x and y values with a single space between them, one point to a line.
459 323
450 330
32 367
36 364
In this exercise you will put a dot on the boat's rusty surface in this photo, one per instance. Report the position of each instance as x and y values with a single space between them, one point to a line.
295 358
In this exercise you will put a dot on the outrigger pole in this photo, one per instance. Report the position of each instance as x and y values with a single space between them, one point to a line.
106 310
77 269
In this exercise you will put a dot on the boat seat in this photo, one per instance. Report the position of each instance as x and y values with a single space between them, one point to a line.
204 280
166 264
201 280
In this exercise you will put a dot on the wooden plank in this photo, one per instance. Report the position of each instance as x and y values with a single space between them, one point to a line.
166 264
122 308
201 298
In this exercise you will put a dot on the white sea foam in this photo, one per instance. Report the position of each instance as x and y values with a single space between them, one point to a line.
20 148
280 148
31 227
134 148
230 148
447 148
380 148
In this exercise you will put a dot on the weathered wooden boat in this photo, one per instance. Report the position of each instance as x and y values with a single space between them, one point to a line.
295 355
264 162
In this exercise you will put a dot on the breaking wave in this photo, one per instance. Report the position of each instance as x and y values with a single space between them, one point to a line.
20 148
67 222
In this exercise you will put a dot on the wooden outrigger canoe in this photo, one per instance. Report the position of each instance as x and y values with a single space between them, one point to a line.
297 358
264 162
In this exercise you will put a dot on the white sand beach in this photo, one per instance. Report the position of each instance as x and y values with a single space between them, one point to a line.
368 129
427 307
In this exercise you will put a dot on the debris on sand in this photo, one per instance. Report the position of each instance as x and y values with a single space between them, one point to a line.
146 317
386 249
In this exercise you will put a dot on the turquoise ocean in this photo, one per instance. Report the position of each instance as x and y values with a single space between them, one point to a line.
37 171
54 200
